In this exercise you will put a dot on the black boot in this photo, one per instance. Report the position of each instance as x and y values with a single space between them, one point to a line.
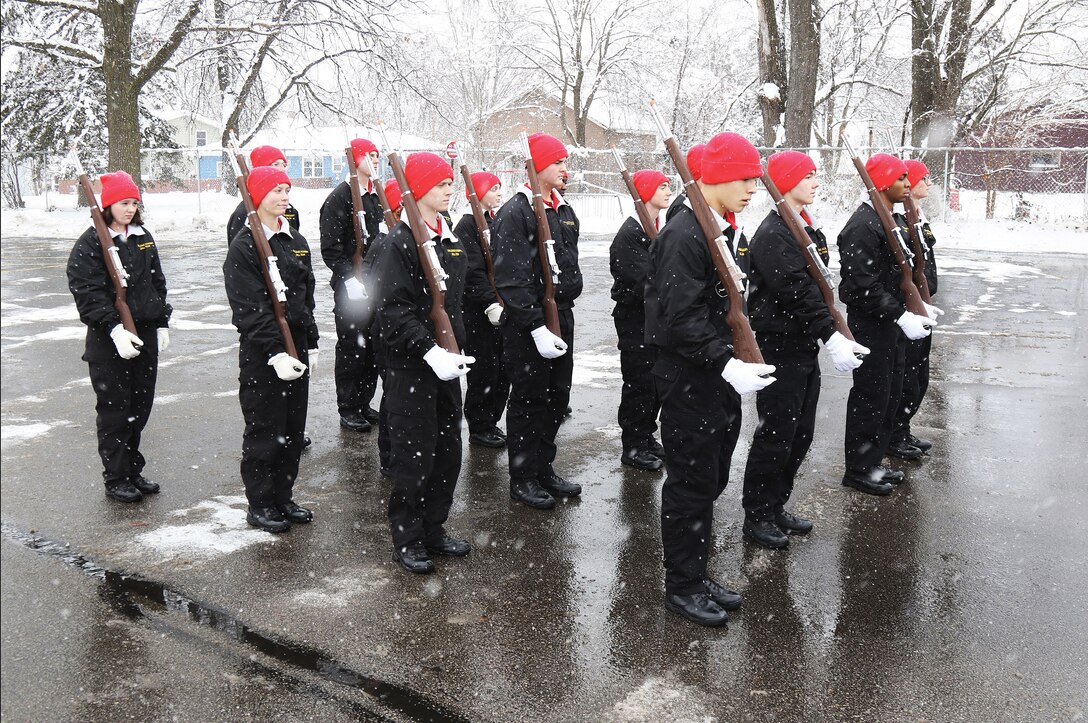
413 558
294 513
559 487
487 439
355 422
267 518
727 599
446 545
698 608
654 447
765 533
529 492
789 522
145 485
123 491
923 444
641 459
370 415
863 482
904 450
889 475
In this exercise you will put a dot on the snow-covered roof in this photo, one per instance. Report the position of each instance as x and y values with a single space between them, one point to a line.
603 113
289 136
173 114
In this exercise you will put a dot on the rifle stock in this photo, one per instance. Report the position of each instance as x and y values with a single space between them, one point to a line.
816 268
428 257
483 231
644 217
545 244
892 233
356 214
277 291
914 223
745 346
110 255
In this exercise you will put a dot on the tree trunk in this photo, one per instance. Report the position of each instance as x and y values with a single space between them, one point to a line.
804 66
772 73
122 92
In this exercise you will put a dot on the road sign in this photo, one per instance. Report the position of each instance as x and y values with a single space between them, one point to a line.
451 150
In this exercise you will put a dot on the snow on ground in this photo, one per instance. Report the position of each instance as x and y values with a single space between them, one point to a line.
209 529
177 215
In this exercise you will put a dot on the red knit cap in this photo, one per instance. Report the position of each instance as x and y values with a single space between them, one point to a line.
482 182
117 186
730 157
695 160
647 182
424 171
885 170
263 179
546 150
392 193
360 147
916 171
265 156
787 168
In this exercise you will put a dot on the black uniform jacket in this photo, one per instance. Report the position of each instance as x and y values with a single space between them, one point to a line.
238 220
783 298
249 300
477 289
92 289
338 230
678 200
685 303
517 268
406 328
870 276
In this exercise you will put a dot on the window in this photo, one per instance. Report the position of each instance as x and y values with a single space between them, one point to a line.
1045 159
313 167
338 163
201 138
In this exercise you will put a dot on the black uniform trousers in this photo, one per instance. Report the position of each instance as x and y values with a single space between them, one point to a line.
915 384
275 417
639 405
787 420
383 413
700 425
488 388
874 398
355 370
423 414
125 392
539 395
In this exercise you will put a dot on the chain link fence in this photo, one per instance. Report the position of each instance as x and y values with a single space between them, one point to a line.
1034 185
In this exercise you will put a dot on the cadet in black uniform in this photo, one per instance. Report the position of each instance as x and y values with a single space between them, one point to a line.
789 317
261 156
123 366
422 393
916 371
355 371
538 363
273 386
488 388
698 378
628 259
878 318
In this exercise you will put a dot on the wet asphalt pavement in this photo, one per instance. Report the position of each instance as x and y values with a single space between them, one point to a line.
962 597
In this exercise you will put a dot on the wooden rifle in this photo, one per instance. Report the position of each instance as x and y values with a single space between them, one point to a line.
357 215
483 231
815 264
893 234
110 253
921 251
433 272
745 347
545 244
647 221
277 290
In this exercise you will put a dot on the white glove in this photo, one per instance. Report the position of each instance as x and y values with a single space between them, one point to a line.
164 338
548 344
382 228
287 367
355 288
844 352
311 358
932 311
446 365
128 344
494 313
746 377
914 326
